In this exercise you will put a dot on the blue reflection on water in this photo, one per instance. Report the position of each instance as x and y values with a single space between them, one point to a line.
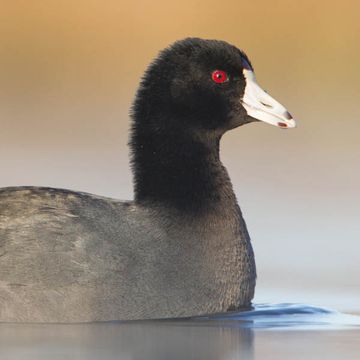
289 316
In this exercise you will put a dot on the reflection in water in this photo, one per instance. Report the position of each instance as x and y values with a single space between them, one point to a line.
225 337
141 340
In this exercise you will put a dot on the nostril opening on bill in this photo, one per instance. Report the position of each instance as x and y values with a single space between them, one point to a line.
265 104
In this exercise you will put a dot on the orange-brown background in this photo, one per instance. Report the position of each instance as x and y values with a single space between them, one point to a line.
69 70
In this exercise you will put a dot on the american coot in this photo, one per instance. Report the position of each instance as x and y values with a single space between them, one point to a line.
181 248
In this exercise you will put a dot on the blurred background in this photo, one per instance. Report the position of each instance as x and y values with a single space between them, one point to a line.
68 74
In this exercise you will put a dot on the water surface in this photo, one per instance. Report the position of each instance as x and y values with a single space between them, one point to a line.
277 331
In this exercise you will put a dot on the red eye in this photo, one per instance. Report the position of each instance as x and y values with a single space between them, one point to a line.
219 76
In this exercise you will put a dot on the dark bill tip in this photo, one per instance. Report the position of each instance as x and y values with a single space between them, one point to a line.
287 116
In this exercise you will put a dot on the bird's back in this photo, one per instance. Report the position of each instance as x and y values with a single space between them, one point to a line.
57 246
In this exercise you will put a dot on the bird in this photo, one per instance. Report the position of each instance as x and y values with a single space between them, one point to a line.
181 247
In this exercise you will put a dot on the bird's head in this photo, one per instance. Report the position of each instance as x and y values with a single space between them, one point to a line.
205 85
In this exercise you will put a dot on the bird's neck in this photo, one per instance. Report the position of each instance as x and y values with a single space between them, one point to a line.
180 171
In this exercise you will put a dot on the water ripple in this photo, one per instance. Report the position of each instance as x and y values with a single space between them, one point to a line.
289 316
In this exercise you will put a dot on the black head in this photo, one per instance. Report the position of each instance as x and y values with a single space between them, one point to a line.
202 86
190 95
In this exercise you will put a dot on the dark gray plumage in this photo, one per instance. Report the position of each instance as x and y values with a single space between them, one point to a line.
70 257
181 248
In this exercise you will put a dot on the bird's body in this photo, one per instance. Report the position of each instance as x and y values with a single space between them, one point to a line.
74 257
181 247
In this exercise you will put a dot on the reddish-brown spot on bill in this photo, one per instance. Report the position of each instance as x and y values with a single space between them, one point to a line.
281 124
